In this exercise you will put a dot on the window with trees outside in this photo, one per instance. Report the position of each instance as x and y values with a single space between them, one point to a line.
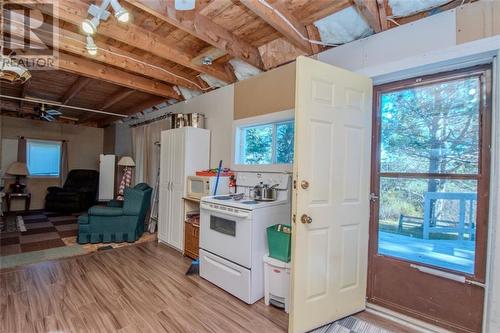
43 158
266 143
430 171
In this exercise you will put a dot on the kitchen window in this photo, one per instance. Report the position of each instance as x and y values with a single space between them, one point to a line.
43 158
265 144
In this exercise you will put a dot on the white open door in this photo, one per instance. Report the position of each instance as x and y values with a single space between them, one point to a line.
331 201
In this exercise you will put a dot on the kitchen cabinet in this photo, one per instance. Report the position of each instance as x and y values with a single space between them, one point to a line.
183 152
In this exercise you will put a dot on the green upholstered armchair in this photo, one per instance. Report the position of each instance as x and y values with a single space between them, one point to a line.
118 221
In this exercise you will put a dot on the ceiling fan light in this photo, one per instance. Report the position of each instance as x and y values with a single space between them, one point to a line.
184 4
90 26
11 71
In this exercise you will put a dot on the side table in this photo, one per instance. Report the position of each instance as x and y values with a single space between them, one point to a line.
26 196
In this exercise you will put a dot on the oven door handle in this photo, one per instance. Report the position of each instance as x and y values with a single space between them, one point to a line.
226 212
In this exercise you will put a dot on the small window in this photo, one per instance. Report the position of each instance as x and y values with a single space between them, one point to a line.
266 144
43 158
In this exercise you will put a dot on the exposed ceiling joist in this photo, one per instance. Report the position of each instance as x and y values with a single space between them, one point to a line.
382 11
75 88
203 28
116 98
369 10
75 11
105 73
313 34
138 108
75 44
267 12
316 10
122 59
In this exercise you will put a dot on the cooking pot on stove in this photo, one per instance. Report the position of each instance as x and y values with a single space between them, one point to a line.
264 192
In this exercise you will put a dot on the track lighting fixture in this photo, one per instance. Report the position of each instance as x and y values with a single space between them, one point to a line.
91 47
90 26
98 13
121 13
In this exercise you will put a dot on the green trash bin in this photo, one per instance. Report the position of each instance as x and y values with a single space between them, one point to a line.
279 241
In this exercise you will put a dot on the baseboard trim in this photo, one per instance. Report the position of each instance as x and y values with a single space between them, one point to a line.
405 320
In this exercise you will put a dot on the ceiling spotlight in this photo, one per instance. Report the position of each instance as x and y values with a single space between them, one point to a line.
184 4
90 26
98 13
91 47
121 13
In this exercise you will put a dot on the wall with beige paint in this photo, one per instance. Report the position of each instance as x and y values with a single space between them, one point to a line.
266 93
85 144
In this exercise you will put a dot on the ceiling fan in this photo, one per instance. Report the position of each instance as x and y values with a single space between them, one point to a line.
47 114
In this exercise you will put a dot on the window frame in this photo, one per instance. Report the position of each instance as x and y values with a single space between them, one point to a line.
239 125
55 142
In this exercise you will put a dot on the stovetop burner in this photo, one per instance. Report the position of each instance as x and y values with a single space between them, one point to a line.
250 202
223 197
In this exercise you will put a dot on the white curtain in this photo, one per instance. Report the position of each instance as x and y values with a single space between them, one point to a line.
146 153
138 139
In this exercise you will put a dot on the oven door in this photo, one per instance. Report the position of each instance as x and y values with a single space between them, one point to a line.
227 234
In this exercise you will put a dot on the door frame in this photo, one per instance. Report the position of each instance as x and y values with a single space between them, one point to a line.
483 179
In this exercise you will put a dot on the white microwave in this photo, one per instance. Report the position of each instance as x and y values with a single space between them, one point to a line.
203 186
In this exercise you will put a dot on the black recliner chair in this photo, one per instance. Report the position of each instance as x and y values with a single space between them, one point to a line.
78 193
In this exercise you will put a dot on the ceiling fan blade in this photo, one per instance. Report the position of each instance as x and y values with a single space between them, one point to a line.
54 112
48 117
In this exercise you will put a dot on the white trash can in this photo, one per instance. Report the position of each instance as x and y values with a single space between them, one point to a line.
276 282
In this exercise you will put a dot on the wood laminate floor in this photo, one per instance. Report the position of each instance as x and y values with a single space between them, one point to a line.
140 288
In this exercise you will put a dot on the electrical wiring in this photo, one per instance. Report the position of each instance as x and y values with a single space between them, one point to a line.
283 17
123 56
36 100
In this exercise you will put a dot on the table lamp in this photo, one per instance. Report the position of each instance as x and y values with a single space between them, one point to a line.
18 169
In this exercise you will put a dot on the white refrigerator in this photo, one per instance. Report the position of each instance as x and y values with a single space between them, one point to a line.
107 166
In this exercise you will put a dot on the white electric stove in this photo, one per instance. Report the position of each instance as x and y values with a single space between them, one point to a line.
233 236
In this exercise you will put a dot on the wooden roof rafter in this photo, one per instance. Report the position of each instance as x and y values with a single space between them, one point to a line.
80 83
203 28
267 12
75 11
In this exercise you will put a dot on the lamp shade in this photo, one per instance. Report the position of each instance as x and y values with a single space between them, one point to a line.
17 169
126 161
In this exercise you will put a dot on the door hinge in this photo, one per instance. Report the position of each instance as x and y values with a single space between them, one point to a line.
294 184
293 218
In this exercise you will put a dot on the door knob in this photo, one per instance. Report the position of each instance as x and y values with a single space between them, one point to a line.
306 219
304 184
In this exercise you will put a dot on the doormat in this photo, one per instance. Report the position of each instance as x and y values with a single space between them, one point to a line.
350 325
